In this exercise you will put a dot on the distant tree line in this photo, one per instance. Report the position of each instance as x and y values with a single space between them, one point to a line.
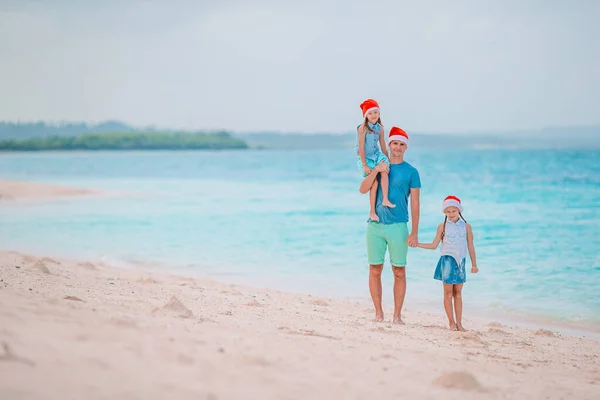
27 130
128 141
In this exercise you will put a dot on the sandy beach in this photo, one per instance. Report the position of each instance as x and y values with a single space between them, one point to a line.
197 198
73 329
23 191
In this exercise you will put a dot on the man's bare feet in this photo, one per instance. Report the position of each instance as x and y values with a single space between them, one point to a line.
373 216
460 328
379 317
398 321
387 203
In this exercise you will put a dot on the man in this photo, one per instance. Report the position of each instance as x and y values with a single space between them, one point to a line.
392 231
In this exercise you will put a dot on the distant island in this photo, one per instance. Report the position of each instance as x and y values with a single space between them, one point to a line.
116 135
128 141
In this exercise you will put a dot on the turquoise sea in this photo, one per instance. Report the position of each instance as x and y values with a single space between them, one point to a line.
294 220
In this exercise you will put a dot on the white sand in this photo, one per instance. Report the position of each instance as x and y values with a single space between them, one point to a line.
73 330
35 191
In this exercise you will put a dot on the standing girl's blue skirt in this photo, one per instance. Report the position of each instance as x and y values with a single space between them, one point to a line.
448 271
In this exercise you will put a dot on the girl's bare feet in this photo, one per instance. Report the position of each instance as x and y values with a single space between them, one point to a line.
460 328
387 203
452 326
373 216
378 317
398 321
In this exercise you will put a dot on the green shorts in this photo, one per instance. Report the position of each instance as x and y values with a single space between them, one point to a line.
371 163
382 236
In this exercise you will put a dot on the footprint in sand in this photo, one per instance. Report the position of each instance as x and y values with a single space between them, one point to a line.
185 359
523 344
545 332
523 365
125 322
147 280
256 360
255 303
174 308
87 265
381 329
8 355
49 260
436 327
471 338
185 279
461 380
318 302
40 266
498 331
73 298
305 332
99 363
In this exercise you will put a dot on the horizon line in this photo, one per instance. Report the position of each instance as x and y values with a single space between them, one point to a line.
92 124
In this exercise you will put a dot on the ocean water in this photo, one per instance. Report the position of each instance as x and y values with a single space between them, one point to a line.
294 220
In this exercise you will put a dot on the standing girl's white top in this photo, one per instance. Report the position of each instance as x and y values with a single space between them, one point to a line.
455 240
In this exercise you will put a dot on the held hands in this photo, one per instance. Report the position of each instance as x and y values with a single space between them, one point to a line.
474 269
413 239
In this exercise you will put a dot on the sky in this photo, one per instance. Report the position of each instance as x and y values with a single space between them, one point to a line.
244 66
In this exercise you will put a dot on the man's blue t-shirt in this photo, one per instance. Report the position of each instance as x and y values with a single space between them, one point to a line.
403 177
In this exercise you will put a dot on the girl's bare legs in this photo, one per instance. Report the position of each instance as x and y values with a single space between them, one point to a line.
448 292
458 306
385 185
372 199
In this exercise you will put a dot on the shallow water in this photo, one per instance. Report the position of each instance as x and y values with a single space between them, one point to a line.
294 220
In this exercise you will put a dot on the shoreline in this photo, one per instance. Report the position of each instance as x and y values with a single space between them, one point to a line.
524 319
152 334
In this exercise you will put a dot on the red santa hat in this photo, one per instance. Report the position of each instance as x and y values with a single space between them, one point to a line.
398 134
368 105
452 201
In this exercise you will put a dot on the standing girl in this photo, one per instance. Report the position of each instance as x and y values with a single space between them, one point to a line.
456 237
370 139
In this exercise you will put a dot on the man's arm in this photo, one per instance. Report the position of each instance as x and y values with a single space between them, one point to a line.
415 206
366 184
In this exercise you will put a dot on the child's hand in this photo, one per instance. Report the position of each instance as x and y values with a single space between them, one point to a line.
474 269
366 170
382 167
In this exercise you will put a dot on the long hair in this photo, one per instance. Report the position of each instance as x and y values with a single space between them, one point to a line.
446 219
367 124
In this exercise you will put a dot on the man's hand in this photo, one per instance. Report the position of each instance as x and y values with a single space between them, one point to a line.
474 269
413 239
382 167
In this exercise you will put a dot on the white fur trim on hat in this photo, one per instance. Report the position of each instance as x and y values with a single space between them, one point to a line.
399 138
371 109
451 203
